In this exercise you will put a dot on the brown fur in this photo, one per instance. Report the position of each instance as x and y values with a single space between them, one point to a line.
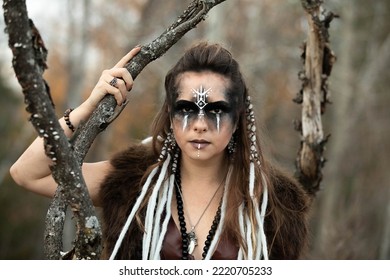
285 224
291 204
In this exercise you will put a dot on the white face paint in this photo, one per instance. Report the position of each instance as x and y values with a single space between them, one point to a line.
201 99
200 96
185 122
218 117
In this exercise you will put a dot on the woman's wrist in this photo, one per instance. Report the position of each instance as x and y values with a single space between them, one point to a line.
73 117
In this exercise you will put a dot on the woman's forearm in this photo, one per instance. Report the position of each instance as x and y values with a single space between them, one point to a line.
32 169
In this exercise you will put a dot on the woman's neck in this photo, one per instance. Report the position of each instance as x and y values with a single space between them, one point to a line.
204 174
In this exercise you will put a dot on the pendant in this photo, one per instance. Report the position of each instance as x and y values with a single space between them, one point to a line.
192 241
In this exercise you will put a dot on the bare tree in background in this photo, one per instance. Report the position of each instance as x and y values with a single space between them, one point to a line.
76 55
353 213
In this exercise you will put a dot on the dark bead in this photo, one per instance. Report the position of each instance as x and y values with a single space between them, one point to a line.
182 224
207 242
181 218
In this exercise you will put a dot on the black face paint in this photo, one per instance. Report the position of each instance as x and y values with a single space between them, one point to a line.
214 113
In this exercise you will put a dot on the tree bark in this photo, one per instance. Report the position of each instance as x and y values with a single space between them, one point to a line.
29 63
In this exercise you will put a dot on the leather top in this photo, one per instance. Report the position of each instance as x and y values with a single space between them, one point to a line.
172 246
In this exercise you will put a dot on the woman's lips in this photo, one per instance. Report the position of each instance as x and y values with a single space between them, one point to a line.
199 144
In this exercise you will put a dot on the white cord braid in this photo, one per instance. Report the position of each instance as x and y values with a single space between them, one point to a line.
161 206
249 228
264 204
167 218
242 229
132 213
159 215
150 211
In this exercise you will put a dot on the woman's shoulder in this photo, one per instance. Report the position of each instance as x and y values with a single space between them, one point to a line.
139 154
128 168
120 189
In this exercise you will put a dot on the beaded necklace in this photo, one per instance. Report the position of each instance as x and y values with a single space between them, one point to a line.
188 238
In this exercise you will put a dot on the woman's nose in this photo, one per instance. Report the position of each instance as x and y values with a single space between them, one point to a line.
200 124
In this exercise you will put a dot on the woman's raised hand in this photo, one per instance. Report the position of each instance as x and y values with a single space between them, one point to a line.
116 81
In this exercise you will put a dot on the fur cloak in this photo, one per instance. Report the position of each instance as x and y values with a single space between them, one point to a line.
122 186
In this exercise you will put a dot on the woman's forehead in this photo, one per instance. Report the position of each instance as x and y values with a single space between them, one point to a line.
193 84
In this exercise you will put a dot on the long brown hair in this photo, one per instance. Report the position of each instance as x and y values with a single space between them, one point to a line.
213 57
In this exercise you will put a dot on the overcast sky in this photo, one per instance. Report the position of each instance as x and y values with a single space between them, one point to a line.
41 12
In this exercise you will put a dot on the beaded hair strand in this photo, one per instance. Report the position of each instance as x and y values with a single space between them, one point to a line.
257 248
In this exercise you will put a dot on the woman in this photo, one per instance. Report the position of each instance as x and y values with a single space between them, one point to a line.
200 188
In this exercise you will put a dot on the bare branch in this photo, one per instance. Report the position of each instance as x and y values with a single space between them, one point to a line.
318 61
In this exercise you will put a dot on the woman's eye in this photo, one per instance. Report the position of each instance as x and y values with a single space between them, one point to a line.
186 110
216 111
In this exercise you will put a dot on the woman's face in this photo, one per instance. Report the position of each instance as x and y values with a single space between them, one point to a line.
203 118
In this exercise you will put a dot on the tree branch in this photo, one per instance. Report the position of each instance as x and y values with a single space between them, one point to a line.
318 61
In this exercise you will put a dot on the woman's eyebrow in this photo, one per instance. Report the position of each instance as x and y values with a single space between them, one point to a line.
222 104
219 103
185 103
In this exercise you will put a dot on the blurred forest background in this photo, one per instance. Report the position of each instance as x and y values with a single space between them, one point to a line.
351 214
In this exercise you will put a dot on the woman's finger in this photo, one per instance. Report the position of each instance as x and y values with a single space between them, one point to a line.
120 73
118 83
121 63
